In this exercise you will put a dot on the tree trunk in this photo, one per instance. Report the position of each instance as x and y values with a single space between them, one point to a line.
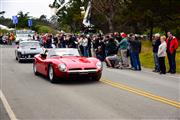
151 32
136 28
110 23
166 30
151 24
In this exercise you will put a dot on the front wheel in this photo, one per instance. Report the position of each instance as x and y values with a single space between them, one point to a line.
97 77
19 60
35 69
19 57
51 74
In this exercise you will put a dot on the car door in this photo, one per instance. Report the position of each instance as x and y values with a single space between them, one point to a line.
41 64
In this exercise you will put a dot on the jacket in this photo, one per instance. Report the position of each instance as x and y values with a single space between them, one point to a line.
135 46
123 44
162 50
173 45
155 45
111 48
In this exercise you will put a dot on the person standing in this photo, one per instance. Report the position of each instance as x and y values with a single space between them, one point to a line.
71 42
162 55
49 41
12 39
123 46
172 45
85 46
135 46
111 47
99 48
80 42
89 45
155 45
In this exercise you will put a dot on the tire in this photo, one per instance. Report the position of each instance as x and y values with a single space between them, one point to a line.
97 77
35 69
51 74
18 58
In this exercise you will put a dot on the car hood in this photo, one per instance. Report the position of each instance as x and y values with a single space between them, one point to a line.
30 51
76 62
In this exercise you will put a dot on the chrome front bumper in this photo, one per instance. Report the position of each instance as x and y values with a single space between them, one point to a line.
83 71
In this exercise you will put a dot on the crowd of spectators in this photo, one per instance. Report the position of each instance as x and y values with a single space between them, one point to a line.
163 46
118 50
114 48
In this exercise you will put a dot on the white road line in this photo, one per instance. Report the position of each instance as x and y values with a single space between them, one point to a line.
7 107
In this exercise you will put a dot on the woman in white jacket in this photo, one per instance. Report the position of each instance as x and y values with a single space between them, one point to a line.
162 55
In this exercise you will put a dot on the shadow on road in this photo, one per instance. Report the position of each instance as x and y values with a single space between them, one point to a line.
25 62
72 81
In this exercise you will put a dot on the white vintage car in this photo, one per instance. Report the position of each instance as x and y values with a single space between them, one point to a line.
26 50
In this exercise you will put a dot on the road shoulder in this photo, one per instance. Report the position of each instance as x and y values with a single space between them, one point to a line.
3 113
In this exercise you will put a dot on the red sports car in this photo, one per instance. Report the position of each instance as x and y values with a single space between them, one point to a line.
65 63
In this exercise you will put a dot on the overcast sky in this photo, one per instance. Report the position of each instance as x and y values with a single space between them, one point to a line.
35 7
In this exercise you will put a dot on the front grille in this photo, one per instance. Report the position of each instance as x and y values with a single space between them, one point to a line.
89 68
75 69
28 56
33 48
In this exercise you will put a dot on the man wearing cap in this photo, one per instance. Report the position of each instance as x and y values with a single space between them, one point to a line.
123 46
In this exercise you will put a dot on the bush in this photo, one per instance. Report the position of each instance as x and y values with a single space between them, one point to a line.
44 29
4 31
176 32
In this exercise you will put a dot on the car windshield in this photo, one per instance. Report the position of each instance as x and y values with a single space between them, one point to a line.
68 52
30 44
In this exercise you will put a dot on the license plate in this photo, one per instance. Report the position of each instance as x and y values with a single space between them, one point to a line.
33 48
83 73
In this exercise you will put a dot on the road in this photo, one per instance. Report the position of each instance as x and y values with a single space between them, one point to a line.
121 94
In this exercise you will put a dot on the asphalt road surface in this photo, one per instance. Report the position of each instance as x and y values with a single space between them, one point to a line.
121 94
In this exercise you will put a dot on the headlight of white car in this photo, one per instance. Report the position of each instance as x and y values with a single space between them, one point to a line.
99 65
62 67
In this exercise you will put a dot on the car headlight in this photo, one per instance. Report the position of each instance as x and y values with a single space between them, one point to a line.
99 65
62 67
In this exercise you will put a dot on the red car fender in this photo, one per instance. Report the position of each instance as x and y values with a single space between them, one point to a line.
55 63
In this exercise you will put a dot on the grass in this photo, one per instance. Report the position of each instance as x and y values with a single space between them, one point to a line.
147 59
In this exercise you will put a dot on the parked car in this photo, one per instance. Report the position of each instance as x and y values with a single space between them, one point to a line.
66 63
26 50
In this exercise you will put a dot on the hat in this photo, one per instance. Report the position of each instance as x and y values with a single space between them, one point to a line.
123 35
